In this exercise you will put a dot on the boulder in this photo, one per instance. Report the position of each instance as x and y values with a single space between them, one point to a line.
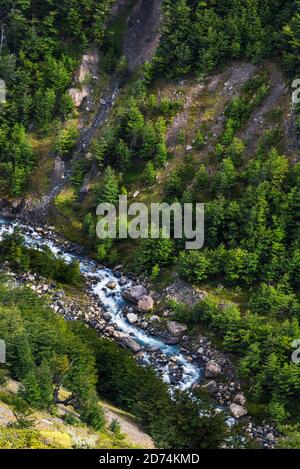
145 304
211 387
212 369
132 318
240 399
176 329
122 281
128 342
111 285
237 411
134 294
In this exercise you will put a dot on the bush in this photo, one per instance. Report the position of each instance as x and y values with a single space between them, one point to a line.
66 141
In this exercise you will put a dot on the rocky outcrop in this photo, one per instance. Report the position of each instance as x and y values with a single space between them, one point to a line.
176 329
86 72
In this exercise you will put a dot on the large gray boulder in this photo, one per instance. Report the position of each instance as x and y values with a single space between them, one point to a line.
237 411
134 294
212 369
176 329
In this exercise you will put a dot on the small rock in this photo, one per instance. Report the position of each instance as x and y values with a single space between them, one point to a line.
154 319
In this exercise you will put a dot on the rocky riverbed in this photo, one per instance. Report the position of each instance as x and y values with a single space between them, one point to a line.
119 307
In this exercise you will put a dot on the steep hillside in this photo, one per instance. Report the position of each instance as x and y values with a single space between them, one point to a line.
62 427
167 101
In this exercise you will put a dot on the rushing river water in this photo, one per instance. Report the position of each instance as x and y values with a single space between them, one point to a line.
153 347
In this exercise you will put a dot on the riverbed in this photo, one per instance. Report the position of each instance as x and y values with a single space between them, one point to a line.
157 353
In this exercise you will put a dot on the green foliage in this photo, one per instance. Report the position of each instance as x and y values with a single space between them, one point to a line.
199 140
153 252
38 59
66 141
44 354
149 175
172 422
197 36
108 190
16 158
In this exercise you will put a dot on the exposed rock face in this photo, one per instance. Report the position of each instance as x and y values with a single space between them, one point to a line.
132 318
135 293
145 304
142 35
237 411
87 69
212 369
128 342
176 329
77 95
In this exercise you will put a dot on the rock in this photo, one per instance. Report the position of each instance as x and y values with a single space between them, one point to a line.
111 285
188 148
135 293
78 95
172 341
270 437
238 411
212 369
240 399
132 318
122 281
211 387
154 319
128 342
107 317
175 328
145 304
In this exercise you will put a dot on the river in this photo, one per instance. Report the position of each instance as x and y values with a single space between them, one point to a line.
155 351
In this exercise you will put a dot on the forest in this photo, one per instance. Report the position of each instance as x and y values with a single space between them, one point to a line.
251 196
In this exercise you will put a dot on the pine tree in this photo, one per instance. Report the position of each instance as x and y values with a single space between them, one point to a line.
109 187
149 175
